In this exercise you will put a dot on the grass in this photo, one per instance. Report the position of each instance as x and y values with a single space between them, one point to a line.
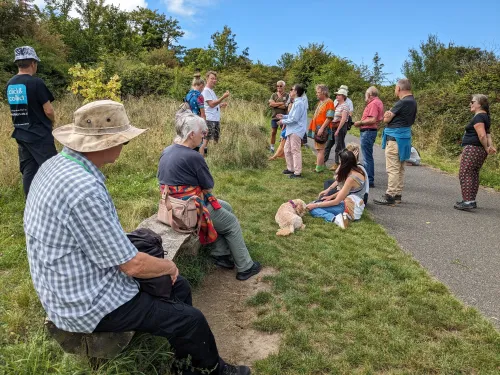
346 302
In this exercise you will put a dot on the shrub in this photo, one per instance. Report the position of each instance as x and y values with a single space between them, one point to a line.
90 84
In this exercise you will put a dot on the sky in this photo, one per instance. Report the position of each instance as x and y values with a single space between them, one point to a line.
351 29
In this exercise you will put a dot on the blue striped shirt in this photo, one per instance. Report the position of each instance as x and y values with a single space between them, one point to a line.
75 244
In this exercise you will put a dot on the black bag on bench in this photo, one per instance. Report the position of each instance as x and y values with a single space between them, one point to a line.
149 242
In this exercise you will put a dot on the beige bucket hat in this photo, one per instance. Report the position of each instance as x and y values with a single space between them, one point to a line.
341 91
97 126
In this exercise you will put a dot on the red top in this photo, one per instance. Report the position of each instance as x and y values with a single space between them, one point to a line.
374 108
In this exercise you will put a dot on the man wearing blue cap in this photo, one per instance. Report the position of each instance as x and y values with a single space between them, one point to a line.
32 115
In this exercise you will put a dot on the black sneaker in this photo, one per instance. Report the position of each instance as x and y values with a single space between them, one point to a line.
286 171
254 270
235 370
385 200
473 203
224 261
372 185
295 176
397 198
465 206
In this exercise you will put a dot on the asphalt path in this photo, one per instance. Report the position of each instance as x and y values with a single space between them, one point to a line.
459 248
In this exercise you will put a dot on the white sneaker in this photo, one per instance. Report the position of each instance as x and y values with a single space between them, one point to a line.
271 148
341 220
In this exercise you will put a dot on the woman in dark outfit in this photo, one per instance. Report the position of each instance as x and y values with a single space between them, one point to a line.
477 145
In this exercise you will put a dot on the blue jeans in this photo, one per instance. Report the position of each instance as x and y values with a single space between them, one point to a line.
328 213
367 141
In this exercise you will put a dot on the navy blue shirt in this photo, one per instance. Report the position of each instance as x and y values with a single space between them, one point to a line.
26 96
181 165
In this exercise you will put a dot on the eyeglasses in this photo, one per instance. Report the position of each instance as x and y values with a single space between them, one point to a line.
472 101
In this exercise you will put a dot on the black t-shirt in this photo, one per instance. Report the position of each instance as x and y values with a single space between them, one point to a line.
26 96
470 135
181 165
405 111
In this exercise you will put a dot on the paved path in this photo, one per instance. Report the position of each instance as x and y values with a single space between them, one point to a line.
461 249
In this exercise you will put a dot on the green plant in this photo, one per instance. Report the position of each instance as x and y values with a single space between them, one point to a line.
90 84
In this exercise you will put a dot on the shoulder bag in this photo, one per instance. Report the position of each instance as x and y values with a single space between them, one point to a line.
181 215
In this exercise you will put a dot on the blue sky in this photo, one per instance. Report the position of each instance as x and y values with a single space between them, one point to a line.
353 29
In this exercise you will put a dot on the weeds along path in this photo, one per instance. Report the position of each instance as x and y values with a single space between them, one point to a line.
461 249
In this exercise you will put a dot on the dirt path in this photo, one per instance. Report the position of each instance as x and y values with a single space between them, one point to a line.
231 318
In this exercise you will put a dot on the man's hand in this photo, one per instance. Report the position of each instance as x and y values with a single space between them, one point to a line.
491 150
357 124
225 95
223 105
279 116
174 276
320 131
337 132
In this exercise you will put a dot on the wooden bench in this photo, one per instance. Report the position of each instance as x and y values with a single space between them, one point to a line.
108 345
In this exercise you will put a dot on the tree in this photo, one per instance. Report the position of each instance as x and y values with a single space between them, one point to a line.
286 60
378 76
224 47
308 63
436 62
155 29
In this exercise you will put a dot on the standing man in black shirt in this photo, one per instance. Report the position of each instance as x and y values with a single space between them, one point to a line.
32 115
396 140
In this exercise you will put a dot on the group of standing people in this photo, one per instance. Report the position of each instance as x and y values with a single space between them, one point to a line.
84 266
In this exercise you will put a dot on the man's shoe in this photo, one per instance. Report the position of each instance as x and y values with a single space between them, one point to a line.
271 149
254 270
235 370
286 171
224 261
397 198
372 185
465 206
385 200
295 176
474 204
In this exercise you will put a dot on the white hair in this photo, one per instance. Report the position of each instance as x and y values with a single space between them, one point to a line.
281 83
187 122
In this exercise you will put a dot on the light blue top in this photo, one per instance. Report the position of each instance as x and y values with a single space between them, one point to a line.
296 120
75 244
403 139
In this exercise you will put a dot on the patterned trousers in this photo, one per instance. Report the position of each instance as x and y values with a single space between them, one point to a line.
471 161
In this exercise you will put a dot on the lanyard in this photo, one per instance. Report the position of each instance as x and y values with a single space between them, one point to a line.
69 157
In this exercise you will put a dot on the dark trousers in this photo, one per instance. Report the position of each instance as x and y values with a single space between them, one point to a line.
339 142
31 157
175 318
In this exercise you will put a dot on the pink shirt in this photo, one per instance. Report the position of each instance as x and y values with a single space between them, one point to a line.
374 108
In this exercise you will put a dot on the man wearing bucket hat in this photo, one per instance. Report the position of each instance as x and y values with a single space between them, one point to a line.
32 115
82 263
329 145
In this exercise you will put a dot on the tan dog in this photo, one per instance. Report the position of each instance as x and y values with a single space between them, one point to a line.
289 217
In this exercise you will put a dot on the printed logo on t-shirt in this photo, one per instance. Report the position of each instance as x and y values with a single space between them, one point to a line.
17 94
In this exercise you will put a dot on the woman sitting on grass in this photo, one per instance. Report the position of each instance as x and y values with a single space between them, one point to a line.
185 173
347 202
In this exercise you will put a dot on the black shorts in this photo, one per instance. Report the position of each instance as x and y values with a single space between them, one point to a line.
213 130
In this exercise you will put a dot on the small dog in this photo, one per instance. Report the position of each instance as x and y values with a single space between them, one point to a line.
289 217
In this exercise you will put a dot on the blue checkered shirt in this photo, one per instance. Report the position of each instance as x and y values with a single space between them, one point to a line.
75 244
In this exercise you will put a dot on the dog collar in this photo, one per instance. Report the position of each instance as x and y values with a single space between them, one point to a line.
293 204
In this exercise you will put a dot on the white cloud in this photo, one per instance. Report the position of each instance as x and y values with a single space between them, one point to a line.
128 5
184 8
187 8
189 35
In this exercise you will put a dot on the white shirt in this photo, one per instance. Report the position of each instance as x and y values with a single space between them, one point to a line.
212 114
348 102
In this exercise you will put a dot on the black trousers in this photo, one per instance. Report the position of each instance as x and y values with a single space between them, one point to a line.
31 157
184 326
339 142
